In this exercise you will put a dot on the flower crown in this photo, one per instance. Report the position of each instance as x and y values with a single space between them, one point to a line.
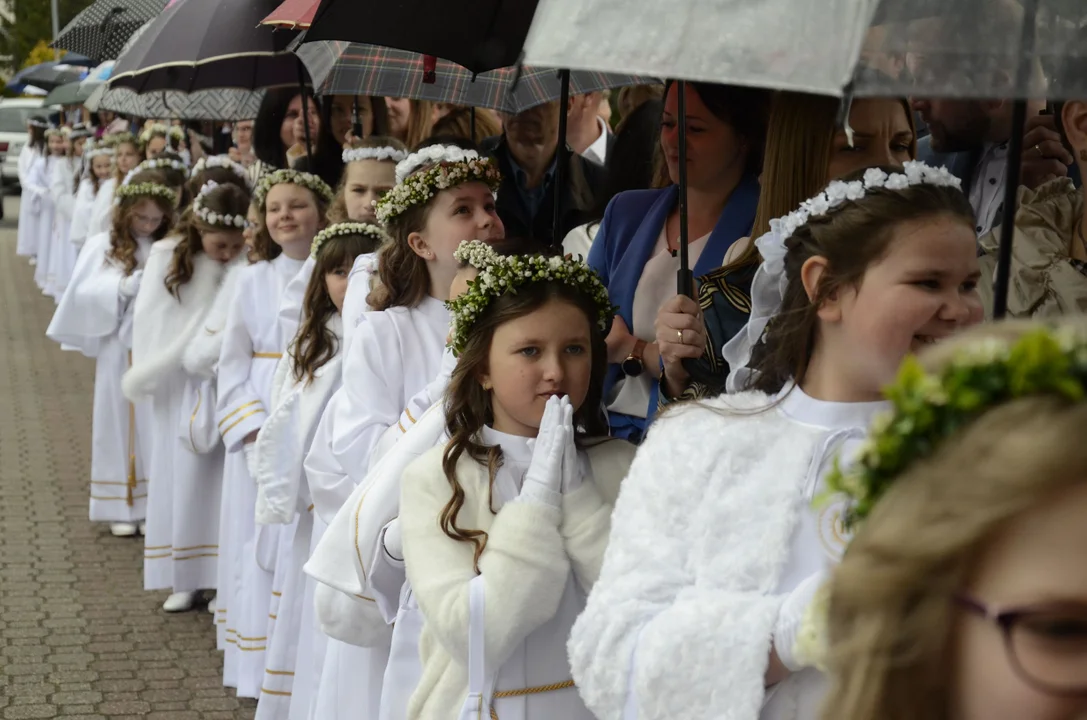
928 409
146 189
224 162
770 282
119 138
161 163
92 153
347 228
452 166
293 177
373 153
211 217
170 131
53 132
499 275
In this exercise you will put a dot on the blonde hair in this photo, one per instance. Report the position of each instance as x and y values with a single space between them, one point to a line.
892 614
799 145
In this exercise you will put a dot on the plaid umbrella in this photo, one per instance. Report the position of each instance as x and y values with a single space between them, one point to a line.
206 44
101 30
293 14
340 68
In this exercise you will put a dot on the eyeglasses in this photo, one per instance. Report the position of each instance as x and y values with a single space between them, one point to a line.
1045 644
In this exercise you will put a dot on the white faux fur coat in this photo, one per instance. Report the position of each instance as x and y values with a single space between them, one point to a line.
700 535
201 355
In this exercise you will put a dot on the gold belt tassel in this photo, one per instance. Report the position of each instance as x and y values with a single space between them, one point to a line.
527 691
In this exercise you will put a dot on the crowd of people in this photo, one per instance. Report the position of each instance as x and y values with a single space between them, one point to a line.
431 449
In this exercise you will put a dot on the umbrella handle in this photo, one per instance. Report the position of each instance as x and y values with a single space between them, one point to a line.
684 278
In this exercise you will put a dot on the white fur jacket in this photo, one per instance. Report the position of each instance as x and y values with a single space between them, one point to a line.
700 535
201 356
164 327
286 435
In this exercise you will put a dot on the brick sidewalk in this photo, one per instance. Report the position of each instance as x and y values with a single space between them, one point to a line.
79 637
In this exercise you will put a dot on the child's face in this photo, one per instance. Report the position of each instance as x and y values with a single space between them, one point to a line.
250 231
56 144
126 157
101 166
292 215
147 217
1035 565
366 181
464 212
547 352
336 282
222 245
155 147
459 286
922 290
77 147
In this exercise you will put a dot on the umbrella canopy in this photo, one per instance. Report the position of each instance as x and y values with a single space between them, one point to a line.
341 68
48 75
207 44
75 93
293 14
480 35
101 30
221 104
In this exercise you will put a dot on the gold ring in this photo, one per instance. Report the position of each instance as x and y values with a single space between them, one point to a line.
1038 148
680 333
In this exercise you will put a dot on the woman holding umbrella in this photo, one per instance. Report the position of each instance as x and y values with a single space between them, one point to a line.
337 118
273 131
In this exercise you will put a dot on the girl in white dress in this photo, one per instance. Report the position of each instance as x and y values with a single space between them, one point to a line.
99 167
126 157
41 175
63 184
443 196
305 380
181 278
369 171
716 551
503 538
29 202
293 207
95 317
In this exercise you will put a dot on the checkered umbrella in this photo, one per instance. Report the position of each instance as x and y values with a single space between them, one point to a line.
340 68
101 30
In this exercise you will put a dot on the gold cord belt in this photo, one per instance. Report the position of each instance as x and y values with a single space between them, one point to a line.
528 691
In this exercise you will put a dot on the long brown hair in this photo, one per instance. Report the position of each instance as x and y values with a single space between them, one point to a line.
315 344
851 237
122 246
125 139
468 405
799 146
892 615
264 247
220 176
420 122
337 212
224 200
178 180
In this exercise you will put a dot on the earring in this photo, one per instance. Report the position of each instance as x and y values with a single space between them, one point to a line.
486 385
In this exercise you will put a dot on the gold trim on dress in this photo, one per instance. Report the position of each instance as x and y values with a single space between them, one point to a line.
528 691
237 422
238 410
268 356
192 420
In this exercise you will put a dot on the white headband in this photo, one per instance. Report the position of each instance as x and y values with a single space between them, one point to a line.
373 153
224 162
770 282
213 218
431 155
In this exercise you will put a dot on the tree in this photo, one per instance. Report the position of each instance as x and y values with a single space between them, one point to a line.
39 54
33 24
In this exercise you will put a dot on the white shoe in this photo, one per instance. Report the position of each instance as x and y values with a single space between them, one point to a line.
122 529
212 605
179 602
143 528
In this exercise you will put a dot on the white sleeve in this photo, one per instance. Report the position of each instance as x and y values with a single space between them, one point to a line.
91 307
524 565
81 211
386 578
358 288
329 483
240 409
290 305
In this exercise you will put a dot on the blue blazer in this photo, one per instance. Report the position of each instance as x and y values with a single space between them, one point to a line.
625 241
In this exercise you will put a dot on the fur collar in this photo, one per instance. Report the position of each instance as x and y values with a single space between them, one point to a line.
201 357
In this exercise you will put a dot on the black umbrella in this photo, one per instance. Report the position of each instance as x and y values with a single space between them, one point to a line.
48 78
207 44
73 93
481 35
100 31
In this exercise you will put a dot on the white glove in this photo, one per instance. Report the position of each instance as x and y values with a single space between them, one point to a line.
394 546
250 450
571 463
543 481
791 619
130 284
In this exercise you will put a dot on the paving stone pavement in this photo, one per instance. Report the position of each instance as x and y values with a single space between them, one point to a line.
79 637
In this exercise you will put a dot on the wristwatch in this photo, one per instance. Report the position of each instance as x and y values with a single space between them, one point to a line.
633 365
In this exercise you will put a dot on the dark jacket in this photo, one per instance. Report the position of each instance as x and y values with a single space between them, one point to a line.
584 181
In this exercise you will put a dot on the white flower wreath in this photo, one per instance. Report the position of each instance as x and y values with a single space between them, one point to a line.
155 129
347 228
160 163
239 222
119 138
91 153
293 177
450 166
222 161
499 275
146 189
373 153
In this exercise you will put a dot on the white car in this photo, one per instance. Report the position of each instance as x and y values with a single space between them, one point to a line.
13 116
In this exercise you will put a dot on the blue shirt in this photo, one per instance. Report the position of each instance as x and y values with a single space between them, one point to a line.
532 197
